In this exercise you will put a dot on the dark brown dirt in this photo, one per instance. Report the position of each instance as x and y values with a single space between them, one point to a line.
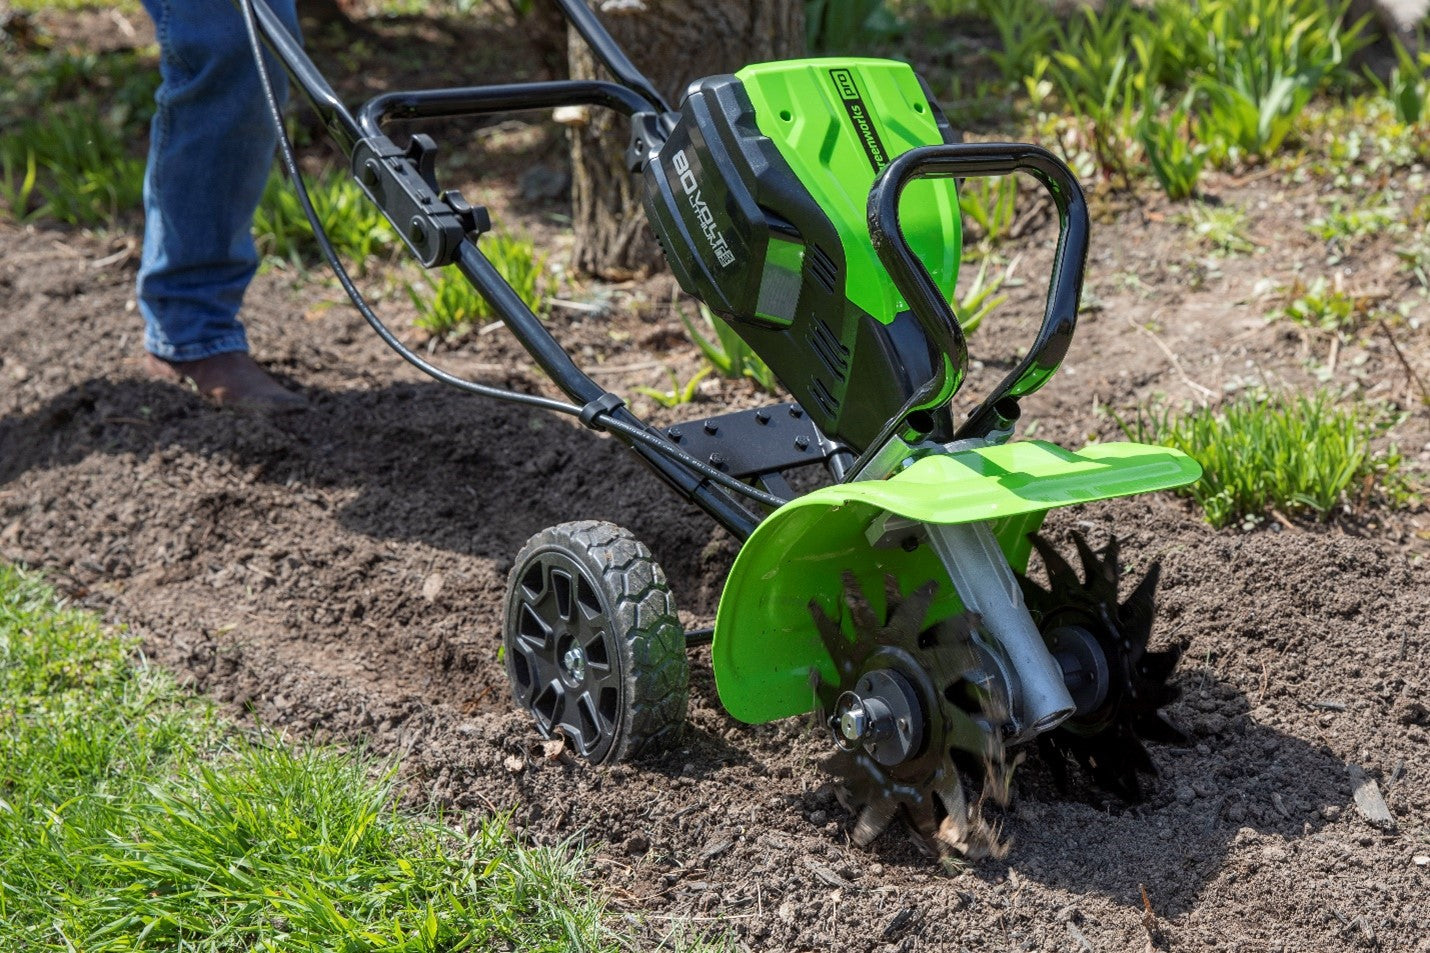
339 574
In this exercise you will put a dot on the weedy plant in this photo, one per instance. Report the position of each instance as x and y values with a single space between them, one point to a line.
450 303
1325 306
1342 227
1288 453
17 186
989 202
354 225
1223 227
679 393
1408 87
1103 77
1416 256
1175 158
727 352
981 297
1026 31
844 26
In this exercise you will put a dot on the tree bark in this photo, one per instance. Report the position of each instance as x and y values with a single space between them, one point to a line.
674 42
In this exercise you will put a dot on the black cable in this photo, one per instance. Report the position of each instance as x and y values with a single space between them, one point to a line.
602 420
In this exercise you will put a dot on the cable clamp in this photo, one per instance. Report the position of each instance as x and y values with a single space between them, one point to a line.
601 406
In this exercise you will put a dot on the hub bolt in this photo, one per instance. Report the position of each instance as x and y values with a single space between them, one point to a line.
574 661
854 723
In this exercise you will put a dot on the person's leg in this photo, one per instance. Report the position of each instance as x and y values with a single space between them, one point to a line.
211 148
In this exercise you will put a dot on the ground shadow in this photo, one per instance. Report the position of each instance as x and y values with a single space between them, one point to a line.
431 464
1235 775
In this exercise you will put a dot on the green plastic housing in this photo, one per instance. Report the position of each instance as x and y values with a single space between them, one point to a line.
766 645
837 123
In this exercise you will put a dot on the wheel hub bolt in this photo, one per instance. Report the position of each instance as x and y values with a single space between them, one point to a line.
574 661
854 723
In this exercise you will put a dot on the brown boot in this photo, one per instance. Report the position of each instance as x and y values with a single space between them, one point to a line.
232 379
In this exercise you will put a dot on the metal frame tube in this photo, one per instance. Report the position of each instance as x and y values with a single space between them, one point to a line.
986 585
479 100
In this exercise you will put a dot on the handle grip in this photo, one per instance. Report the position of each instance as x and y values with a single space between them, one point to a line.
936 316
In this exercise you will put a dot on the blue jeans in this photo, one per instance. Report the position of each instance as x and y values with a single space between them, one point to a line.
210 149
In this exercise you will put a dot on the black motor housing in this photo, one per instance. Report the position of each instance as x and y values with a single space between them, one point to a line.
743 234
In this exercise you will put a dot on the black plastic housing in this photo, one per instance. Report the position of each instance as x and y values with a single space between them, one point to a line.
720 199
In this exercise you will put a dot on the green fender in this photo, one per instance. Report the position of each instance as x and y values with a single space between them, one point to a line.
765 643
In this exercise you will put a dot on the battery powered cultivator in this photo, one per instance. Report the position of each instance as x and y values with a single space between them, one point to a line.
813 205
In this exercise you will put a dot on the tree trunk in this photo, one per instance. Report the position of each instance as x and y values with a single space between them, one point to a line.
673 42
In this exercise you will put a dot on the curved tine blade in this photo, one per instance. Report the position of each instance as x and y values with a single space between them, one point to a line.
873 821
893 596
1120 751
1156 668
859 609
1099 575
1135 616
1114 773
906 617
1061 576
1033 594
1156 727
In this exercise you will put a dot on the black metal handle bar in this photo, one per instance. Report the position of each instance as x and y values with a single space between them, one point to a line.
350 133
511 97
593 31
937 317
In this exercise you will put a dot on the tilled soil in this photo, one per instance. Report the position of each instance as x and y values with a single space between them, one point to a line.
339 574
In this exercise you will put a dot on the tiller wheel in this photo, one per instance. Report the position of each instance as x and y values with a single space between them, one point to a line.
1120 686
918 706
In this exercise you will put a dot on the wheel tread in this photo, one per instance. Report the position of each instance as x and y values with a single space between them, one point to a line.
642 608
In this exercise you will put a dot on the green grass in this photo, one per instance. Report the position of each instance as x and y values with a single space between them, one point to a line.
72 165
1169 85
1292 454
71 134
132 819
450 304
354 224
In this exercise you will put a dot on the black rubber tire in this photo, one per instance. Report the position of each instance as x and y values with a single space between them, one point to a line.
633 701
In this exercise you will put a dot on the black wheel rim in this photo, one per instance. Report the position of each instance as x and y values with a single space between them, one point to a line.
564 662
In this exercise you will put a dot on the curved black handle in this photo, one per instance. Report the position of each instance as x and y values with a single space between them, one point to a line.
936 316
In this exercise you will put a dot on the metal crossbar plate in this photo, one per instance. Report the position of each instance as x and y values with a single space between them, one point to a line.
750 443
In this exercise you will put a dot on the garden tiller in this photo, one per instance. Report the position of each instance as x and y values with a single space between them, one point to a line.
812 205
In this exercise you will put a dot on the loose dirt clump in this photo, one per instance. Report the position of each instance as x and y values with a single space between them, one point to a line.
339 574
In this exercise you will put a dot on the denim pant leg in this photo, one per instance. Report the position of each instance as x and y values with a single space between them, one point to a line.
210 150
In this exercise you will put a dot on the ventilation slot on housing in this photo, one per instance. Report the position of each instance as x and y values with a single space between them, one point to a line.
821 394
822 267
834 354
